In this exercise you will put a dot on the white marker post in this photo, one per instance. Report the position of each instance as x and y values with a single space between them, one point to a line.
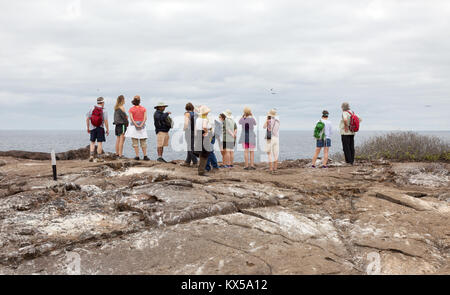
54 165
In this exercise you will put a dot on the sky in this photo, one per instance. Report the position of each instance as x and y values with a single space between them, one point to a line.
389 59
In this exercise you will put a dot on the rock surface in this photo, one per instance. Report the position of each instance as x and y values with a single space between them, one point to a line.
127 217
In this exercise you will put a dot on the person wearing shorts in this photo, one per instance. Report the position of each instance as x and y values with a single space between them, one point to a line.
162 129
97 133
121 122
325 142
248 138
272 125
229 132
137 130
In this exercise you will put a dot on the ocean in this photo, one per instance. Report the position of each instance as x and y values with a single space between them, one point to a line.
293 144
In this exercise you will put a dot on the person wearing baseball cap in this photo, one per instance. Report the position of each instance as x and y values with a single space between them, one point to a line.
96 122
322 134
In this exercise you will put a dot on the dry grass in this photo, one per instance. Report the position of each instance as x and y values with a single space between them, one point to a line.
404 146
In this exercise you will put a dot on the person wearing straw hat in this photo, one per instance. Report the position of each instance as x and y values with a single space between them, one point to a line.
162 126
248 138
96 121
272 126
137 130
203 138
228 139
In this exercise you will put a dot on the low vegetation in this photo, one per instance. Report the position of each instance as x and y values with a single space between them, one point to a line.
404 146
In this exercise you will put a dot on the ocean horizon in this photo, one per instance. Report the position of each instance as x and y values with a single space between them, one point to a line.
294 144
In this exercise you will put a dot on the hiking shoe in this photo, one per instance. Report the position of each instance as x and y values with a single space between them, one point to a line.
136 158
162 160
91 159
100 160
185 164
313 166
246 168
146 158
326 167
252 168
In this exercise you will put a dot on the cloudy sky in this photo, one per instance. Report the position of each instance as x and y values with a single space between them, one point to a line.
390 59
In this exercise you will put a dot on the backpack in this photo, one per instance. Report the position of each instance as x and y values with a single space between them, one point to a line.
97 117
353 125
319 131
169 122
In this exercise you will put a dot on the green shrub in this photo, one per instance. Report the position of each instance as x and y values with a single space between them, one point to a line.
405 146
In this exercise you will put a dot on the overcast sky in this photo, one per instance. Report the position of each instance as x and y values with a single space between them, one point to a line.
390 59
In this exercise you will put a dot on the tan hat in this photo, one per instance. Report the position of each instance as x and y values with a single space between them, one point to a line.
272 113
100 100
204 110
161 105
228 114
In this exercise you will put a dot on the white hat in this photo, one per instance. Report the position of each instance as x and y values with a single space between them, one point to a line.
228 114
161 104
204 110
272 113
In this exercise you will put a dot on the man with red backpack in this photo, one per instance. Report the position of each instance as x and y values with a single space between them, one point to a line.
96 120
348 127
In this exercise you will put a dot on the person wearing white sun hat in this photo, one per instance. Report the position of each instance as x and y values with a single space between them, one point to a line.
272 125
203 138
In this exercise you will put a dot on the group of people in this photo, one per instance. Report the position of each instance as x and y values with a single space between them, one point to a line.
132 125
202 132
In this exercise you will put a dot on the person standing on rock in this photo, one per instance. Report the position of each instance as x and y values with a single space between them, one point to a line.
272 126
322 134
137 130
203 138
162 126
121 122
189 133
229 139
96 122
248 138
348 127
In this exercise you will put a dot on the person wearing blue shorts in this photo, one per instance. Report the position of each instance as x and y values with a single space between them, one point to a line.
96 123
324 140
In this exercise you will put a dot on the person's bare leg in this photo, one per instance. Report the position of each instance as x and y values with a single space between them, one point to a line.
118 145
315 156
121 143
144 150
160 152
270 161
100 148
252 158
92 149
275 163
325 156
136 150
246 158
232 158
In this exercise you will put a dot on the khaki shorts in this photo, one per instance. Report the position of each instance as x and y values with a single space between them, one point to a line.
136 142
273 147
162 139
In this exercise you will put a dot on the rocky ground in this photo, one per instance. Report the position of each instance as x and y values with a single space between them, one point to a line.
129 217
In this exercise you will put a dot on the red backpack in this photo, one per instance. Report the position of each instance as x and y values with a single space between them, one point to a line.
354 122
97 117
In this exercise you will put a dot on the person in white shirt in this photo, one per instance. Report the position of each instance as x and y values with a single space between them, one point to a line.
324 143
203 132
